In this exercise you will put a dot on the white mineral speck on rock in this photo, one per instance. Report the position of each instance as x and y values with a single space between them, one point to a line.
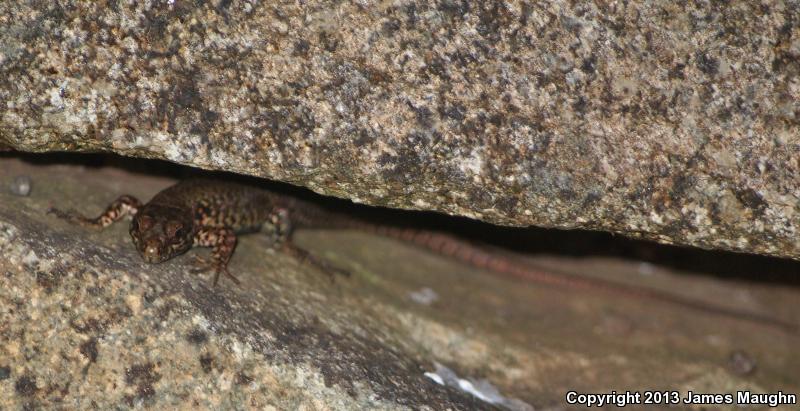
21 186
481 389
200 321
435 377
421 203
134 302
55 97
424 296
225 381
646 268
473 164
30 258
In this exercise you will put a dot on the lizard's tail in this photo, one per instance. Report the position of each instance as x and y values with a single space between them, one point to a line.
476 256
450 246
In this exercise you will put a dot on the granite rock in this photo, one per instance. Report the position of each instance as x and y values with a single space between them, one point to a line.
674 122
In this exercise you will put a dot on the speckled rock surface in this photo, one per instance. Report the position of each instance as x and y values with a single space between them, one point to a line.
675 122
84 323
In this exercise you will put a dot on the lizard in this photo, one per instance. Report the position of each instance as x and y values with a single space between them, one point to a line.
212 213
199 212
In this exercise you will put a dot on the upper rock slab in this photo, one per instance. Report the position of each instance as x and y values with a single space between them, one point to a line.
676 122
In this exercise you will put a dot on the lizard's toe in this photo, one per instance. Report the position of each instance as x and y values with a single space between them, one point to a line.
201 266
198 270
64 215
232 277
73 217
223 270
328 268
200 263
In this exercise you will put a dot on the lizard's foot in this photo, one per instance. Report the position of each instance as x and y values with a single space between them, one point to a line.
123 206
70 215
223 240
200 265
203 266
73 217
321 264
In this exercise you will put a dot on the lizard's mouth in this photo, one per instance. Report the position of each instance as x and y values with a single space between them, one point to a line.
151 252
152 259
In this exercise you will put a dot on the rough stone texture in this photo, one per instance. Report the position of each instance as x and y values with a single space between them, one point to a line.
675 121
84 323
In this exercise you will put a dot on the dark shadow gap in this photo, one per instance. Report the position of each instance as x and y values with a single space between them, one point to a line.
530 241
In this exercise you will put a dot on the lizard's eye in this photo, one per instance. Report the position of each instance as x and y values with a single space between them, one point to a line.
143 223
174 228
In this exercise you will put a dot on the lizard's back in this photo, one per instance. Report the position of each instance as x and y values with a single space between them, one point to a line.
219 204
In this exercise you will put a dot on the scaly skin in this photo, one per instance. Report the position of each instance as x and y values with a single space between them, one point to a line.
210 213
205 213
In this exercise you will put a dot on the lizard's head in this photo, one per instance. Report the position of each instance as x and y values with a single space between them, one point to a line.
160 233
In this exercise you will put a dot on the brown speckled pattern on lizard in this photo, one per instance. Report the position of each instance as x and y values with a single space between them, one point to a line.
205 213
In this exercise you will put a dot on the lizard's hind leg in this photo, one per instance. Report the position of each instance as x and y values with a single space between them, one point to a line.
278 228
306 257
123 206
280 231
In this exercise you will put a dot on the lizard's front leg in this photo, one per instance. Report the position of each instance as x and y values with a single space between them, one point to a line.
123 206
223 242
